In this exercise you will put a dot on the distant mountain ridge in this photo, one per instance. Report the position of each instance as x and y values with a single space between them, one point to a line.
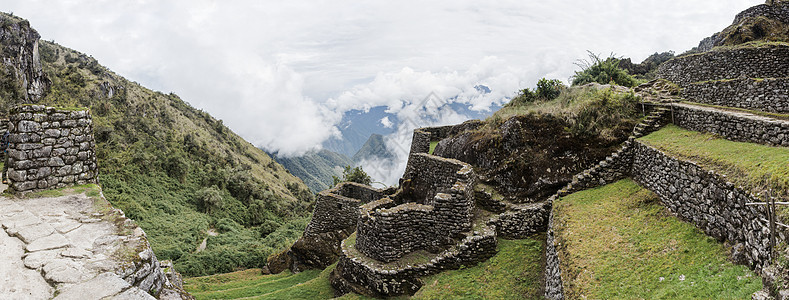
374 148
316 168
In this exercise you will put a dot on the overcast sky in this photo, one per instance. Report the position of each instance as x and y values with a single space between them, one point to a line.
280 73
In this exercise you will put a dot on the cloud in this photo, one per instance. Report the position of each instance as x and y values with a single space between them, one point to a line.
386 122
281 73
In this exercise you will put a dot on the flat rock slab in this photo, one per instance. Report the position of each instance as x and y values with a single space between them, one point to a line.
17 281
60 245
104 285
53 241
31 233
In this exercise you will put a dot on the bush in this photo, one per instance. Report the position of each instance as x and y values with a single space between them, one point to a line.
546 90
210 198
602 71
353 175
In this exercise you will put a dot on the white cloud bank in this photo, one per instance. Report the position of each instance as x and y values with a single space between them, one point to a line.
281 73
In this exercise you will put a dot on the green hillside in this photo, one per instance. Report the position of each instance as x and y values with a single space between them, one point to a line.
176 170
316 168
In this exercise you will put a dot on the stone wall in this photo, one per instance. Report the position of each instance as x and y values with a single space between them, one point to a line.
50 148
763 62
357 273
338 208
522 221
436 205
333 220
778 11
770 95
554 289
736 126
420 143
707 200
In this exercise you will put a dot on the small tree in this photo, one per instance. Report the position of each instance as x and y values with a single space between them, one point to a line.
353 175
210 198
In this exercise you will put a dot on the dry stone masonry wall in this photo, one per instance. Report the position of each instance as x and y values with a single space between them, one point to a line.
420 143
50 148
769 95
736 126
338 208
438 205
764 62
707 200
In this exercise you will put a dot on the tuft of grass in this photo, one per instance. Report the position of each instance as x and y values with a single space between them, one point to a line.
750 165
619 242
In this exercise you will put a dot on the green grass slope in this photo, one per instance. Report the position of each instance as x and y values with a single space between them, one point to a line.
618 242
179 172
514 273
316 168
750 165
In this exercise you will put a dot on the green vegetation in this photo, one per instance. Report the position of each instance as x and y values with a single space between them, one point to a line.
433 145
588 110
753 166
316 168
602 71
356 174
514 273
178 172
619 242
546 90
646 69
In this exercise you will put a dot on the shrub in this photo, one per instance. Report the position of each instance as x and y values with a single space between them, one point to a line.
210 198
353 175
601 71
546 90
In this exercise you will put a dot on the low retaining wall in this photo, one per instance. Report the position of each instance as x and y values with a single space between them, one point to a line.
770 94
733 126
357 273
763 62
554 289
708 201
50 148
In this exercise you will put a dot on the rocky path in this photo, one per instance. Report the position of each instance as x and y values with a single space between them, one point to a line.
73 247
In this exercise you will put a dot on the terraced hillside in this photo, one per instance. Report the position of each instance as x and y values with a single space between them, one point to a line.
508 275
619 242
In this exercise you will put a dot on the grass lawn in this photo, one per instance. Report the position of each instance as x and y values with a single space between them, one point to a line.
619 242
514 273
747 164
